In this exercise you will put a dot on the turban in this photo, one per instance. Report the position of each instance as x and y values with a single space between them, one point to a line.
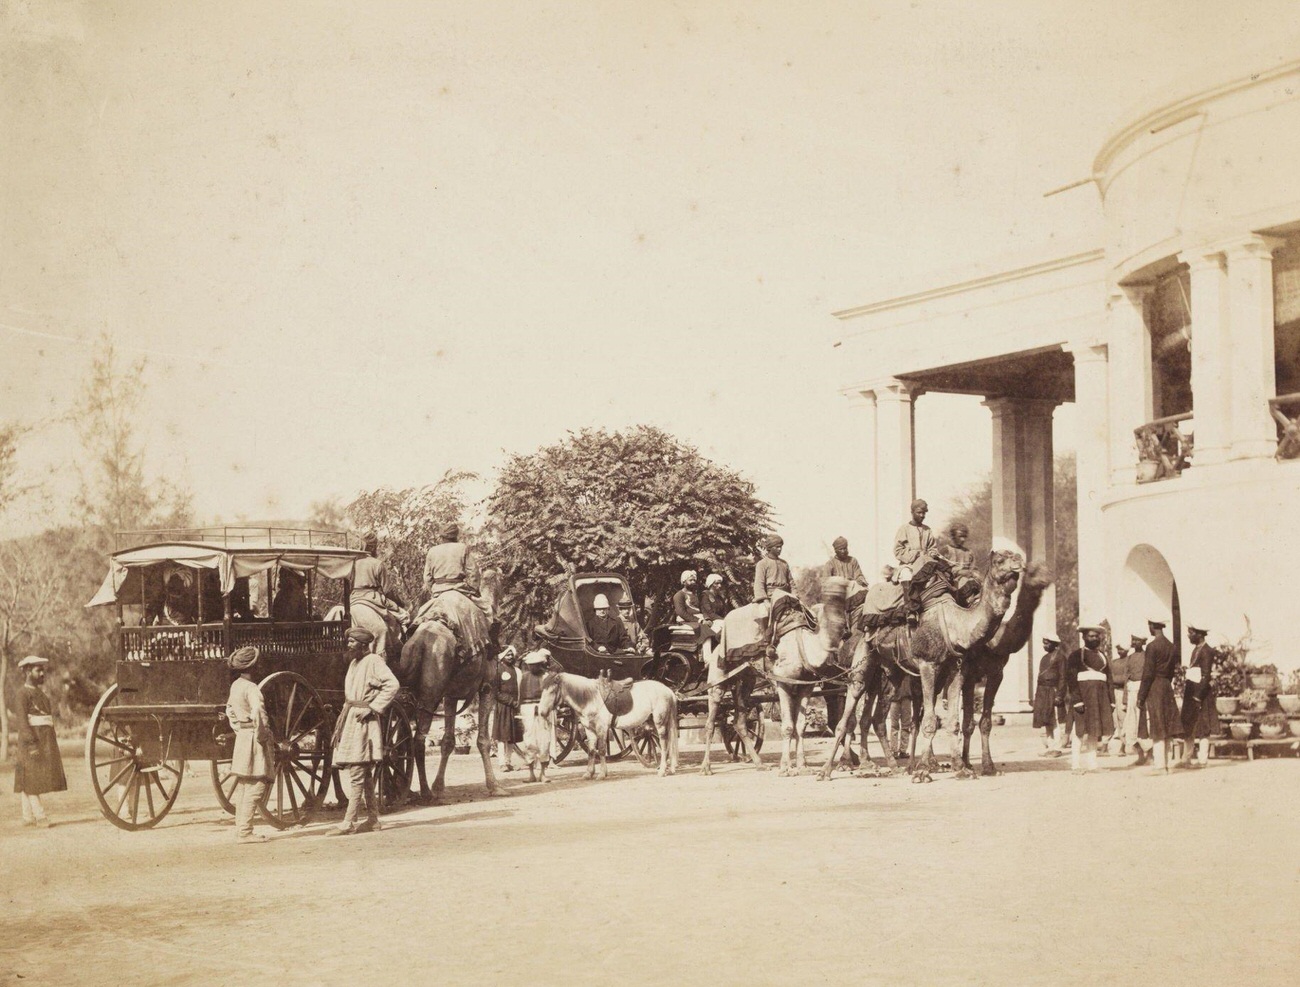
243 659
370 542
713 579
687 576
360 635
539 657
840 542
601 602
959 527
776 541
31 661
919 504
450 533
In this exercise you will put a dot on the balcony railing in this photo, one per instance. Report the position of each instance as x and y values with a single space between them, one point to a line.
1164 449
1288 424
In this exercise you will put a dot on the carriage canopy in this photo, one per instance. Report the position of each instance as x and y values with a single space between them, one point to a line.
232 554
573 608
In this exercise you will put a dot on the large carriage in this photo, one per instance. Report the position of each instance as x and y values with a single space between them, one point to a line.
184 601
674 657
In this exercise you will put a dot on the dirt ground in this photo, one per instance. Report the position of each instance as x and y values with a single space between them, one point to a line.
1033 877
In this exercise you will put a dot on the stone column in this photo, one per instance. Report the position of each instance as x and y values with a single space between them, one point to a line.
1211 386
1024 517
1250 364
865 403
1092 465
1129 377
895 446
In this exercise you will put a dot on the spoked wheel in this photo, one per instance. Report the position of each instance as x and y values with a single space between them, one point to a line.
754 718
673 669
618 746
645 744
223 783
135 777
566 734
301 731
400 748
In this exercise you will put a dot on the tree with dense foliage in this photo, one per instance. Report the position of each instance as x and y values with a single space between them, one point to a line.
974 508
638 502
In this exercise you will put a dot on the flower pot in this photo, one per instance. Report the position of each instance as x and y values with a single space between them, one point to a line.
1226 705
1294 727
1240 731
1264 682
1290 704
1272 731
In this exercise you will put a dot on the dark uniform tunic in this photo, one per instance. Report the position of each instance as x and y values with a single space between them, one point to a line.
1049 683
1087 681
1156 695
608 632
1200 718
505 726
40 768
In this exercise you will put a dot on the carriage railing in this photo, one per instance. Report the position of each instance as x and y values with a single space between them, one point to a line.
240 536
201 642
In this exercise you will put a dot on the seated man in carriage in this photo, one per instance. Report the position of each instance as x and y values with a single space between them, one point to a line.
606 631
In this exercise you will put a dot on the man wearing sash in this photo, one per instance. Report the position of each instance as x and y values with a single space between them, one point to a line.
1200 719
1088 691
40 766
368 690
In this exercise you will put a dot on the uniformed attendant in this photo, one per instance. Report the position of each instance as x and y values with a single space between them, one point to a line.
1045 689
506 728
1088 691
1136 734
40 767
537 729
369 688
1120 670
1200 718
252 762
772 572
1156 696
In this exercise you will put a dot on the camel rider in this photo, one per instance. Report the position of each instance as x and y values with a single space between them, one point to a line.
915 548
964 575
771 573
450 565
845 566
375 604
605 631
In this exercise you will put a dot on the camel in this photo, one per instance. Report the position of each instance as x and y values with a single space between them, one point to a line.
430 668
932 652
986 662
801 657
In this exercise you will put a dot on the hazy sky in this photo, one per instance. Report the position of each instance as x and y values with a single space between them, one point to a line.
361 244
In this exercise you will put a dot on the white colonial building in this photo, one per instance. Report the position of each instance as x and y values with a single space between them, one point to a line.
1179 340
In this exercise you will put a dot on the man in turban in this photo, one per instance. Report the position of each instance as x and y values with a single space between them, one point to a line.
40 767
450 565
965 577
772 572
368 690
252 762
375 603
844 565
915 548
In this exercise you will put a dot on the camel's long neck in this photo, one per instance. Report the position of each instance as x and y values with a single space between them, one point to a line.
1015 630
993 604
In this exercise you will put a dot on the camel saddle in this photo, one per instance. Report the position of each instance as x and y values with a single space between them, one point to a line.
615 693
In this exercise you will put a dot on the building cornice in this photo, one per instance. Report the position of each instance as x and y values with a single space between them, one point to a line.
1177 105
974 284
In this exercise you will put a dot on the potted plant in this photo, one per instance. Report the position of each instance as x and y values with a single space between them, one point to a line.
1289 698
1228 673
1262 677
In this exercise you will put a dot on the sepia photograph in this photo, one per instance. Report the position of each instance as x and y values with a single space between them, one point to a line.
581 492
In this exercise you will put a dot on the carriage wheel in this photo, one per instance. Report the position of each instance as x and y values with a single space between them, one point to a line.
223 783
753 717
134 789
645 745
673 669
566 733
301 731
398 766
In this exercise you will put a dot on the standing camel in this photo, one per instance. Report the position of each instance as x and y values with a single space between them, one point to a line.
986 662
431 669
801 657
932 652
